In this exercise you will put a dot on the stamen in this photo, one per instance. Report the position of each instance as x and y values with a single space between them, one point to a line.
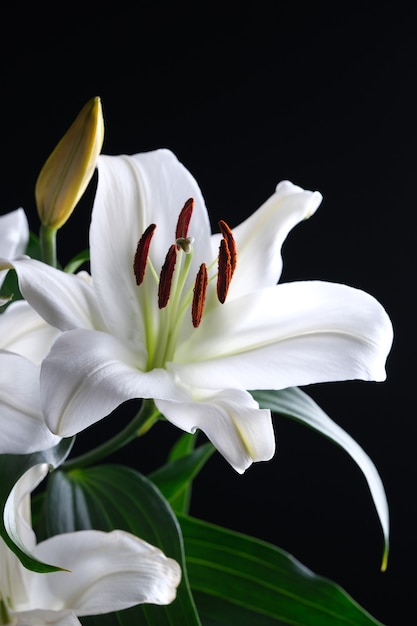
141 254
184 219
199 296
226 231
165 278
224 274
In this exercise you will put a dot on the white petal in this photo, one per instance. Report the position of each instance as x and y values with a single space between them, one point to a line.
132 193
23 429
289 335
237 427
17 521
260 237
46 618
14 236
25 332
87 374
107 572
64 300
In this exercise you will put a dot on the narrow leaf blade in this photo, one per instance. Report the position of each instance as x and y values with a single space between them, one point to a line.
296 404
237 579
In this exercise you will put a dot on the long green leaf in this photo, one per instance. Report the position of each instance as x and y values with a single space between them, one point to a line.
297 405
113 496
239 580
174 479
12 467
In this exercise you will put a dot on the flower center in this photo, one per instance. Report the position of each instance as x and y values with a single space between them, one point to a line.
174 299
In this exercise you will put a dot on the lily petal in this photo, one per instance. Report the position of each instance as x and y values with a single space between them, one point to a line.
289 335
106 572
14 236
65 301
234 423
98 372
17 515
139 190
47 618
21 421
260 237
25 332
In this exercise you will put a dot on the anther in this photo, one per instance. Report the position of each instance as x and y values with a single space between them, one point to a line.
199 296
184 219
165 277
224 273
231 244
141 254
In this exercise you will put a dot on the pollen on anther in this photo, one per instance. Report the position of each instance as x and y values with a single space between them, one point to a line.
141 254
226 231
165 277
224 273
184 219
199 296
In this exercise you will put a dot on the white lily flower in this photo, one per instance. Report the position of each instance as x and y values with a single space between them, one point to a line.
14 236
25 339
103 572
208 326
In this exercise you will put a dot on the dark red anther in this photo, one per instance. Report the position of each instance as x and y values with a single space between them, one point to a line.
141 254
224 274
226 231
199 296
165 277
184 219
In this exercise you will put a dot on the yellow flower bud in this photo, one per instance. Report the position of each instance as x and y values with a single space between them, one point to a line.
68 170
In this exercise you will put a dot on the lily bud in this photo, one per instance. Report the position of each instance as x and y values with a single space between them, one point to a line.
68 170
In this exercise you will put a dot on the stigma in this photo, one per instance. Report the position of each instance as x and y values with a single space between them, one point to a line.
175 268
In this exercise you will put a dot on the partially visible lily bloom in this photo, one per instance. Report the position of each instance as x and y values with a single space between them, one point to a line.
14 237
193 319
25 339
105 572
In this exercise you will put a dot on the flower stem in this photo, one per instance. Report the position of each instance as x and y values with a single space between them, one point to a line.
147 415
47 238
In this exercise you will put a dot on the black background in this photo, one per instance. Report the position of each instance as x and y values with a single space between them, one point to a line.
246 95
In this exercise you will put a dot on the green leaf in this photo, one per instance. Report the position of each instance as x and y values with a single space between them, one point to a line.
239 580
77 261
297 405
112 496
12 467
174 479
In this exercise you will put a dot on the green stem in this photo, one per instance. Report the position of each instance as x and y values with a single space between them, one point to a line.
140 424
47 238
